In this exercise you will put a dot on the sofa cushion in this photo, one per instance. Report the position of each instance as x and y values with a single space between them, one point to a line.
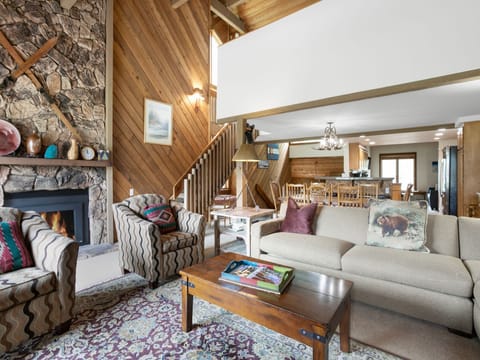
344 223
310 249
468 232
299 219
440 273
161 215
14 254
398 224
442 234
176 240
23 285
473 267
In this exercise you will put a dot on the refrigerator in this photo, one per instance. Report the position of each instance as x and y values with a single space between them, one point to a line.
449 180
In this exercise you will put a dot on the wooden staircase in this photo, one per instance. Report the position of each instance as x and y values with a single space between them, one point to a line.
208 173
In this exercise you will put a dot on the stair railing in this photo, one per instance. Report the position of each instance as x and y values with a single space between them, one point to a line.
209 172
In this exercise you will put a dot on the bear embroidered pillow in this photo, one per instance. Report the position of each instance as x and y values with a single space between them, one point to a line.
398 224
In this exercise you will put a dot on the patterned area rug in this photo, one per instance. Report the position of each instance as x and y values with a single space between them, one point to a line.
124 319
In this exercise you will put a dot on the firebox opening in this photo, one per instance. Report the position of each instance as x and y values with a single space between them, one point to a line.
66 208
61 222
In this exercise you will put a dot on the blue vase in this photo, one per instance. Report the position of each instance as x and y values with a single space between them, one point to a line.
51 152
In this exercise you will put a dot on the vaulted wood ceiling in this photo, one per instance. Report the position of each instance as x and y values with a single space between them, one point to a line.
231 18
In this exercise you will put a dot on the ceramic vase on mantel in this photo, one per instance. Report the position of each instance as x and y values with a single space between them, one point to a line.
33 144
72 153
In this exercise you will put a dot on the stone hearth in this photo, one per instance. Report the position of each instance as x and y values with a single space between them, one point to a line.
15 179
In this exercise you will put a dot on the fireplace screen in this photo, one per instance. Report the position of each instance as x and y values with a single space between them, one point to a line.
66 211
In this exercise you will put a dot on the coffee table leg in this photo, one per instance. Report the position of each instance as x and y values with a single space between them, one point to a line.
320 348
345 327
187 307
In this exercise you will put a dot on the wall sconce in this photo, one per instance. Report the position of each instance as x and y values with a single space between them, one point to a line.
197 96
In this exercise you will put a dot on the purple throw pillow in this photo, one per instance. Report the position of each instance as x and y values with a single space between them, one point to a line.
299 219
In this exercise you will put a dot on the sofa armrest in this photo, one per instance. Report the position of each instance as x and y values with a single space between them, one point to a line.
53 252
139 243
191 222
260 229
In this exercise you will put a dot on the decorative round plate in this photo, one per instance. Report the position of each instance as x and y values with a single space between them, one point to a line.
9 138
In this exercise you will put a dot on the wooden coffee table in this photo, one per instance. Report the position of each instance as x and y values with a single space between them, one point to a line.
309 310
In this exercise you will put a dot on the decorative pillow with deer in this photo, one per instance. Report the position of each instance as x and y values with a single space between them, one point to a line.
398 224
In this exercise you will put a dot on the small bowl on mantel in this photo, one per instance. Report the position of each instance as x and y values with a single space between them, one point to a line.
9 138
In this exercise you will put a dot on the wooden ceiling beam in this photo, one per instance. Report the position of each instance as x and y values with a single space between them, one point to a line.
226 15
233 3
177 3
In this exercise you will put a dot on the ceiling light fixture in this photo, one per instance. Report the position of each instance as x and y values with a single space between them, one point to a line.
329 141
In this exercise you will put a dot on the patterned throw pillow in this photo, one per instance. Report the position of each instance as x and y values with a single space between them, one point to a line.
398 224
163 216
14 254
299 219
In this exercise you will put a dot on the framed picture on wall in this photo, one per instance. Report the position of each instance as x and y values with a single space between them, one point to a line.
263 164
158 122
272 151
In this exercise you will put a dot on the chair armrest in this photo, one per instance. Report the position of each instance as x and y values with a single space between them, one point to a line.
260 229
191 222
53 252
138 243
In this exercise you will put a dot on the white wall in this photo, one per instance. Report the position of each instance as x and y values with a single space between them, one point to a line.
338 47
426 154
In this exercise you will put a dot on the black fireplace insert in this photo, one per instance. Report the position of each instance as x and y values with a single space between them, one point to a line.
66 211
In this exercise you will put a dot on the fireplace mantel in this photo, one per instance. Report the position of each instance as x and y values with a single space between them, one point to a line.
10 160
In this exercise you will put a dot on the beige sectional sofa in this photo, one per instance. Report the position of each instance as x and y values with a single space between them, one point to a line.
435 286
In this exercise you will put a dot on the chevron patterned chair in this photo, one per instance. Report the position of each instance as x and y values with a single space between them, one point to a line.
39 298
147 252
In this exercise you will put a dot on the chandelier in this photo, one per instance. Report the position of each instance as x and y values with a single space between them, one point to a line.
330 141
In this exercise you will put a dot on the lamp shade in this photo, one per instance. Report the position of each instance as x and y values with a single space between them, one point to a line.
245 153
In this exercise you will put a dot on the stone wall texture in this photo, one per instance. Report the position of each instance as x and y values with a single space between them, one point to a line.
73 72
73 75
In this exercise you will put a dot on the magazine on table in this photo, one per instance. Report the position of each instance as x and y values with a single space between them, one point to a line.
268 277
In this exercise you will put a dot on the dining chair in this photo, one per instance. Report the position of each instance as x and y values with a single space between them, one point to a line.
319 193
367 192
296 192
349 196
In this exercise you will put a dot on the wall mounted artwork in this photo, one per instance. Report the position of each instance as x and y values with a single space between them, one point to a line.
273 151
158 123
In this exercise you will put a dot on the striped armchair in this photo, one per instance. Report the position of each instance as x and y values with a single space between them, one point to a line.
38 299
146 252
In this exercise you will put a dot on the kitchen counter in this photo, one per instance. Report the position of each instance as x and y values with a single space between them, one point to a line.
340 178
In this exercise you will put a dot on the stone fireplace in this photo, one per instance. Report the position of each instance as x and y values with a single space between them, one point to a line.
48 179
73 76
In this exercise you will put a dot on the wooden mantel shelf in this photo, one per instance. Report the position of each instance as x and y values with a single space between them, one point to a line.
11 160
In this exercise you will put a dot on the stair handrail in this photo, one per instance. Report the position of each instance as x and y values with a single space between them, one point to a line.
179 184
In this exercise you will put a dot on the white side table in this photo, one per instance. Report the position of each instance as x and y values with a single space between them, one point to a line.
246 214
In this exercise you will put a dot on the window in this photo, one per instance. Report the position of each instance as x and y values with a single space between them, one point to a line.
401 167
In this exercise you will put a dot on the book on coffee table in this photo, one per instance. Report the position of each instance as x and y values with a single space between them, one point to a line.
267 277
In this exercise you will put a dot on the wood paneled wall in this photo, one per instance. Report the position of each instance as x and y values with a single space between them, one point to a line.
304 170
161 54
278 170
